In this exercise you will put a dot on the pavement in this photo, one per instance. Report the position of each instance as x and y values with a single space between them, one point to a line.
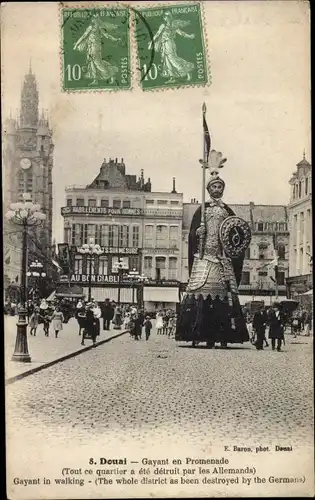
161 399
46 351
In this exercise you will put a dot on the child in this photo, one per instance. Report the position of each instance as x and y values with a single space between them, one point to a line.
147 327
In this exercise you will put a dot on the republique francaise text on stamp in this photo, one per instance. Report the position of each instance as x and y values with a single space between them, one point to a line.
174 53
96 48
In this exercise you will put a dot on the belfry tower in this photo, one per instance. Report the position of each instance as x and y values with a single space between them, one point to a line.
28 163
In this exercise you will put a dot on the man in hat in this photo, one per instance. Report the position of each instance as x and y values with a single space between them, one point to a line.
214 275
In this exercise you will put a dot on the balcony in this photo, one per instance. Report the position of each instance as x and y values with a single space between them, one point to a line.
163 213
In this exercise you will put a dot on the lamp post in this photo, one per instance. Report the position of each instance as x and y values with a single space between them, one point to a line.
134 274
36 271
119 267
90 249
25 214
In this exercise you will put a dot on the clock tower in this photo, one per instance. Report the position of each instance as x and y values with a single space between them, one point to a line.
28 163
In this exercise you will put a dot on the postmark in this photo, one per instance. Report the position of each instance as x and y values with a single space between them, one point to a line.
175 55
95 48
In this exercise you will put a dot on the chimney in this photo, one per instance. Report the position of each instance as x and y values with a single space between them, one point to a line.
122 160
116 159
174 186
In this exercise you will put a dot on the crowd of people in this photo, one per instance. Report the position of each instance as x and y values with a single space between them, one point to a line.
274 320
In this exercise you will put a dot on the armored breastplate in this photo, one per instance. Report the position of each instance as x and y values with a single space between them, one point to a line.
214 216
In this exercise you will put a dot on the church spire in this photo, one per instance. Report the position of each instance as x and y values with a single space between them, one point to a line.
29 101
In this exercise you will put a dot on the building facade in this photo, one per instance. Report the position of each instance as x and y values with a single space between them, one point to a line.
27 168
300 225
269 226
135 226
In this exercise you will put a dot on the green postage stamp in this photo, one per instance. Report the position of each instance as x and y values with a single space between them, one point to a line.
171 46
95 48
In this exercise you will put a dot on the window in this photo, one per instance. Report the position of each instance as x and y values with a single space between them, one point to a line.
247 253
172 273
116 203
78 265
300 189
260 226
173 236
91 232
134 263
113 236
281 251
135 236
147 267
149 202
161 236
306 185
174 202
126 204
104 203
281 278
147 262
69 202
245 278
92 202
103 264
97 236
261 252
123 236
80 202
282 226
160 268
77 235
148 236
162 202
85 234
104 235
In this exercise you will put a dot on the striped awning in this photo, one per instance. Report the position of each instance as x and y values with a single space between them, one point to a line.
99 294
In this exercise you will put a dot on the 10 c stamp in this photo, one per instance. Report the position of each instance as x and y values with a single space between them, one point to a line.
95 48
174 54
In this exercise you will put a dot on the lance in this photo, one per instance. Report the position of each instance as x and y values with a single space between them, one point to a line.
204 162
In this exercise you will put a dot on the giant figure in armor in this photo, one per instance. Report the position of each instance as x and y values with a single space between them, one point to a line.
210 310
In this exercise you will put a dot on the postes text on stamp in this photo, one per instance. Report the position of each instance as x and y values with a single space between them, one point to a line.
171 46
95 48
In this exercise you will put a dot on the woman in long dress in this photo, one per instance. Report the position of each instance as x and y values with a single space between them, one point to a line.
34 319
91 43
57 320
173 66
159 322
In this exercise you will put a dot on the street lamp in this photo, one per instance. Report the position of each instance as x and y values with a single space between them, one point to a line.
119 267
25 214
90 249
134 274
36 270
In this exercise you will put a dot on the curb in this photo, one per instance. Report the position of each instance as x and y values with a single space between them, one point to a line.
36 369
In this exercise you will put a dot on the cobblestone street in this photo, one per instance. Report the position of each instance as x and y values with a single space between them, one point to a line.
156 389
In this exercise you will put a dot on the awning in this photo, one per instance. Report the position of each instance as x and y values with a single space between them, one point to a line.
268 300
160 294
74 291
99 294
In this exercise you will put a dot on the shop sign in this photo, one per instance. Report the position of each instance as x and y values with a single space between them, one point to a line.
100 211
122 251
95 278
162 283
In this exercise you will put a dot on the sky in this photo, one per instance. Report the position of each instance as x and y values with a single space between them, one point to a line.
258 104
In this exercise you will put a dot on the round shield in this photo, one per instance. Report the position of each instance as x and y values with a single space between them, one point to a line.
235 236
